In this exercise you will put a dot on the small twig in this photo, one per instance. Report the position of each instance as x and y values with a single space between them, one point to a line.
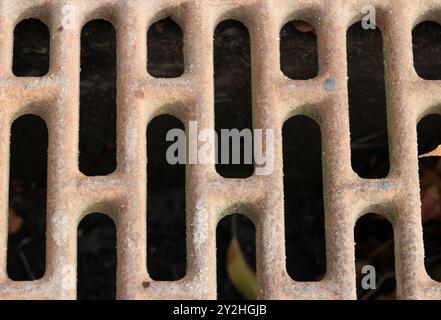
381 248
23 258
363 143
102 154
367 146
368 295
24 242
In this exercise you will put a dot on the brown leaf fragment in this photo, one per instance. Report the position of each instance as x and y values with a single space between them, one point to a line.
15 222
303 27
434 153
159 27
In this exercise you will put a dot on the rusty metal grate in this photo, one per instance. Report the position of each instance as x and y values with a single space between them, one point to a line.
122 195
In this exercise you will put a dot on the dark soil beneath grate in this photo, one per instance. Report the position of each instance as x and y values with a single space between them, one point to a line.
97 257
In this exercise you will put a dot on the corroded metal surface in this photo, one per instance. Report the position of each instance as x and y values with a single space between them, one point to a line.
122 195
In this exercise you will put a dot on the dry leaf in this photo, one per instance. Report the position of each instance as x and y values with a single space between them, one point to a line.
434 153
239 272
159 27
15 222
303 27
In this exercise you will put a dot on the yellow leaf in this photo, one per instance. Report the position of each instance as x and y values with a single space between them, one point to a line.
434 153
239 272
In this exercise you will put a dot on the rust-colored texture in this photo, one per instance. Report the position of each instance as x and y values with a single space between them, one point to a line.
140 97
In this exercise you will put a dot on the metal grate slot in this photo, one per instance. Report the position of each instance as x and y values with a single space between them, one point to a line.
122 194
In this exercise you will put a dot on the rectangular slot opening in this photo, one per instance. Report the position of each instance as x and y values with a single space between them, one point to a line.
367 102
96 264
98 99
236 258
26 259
303 197
31 49
166 246
233 106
